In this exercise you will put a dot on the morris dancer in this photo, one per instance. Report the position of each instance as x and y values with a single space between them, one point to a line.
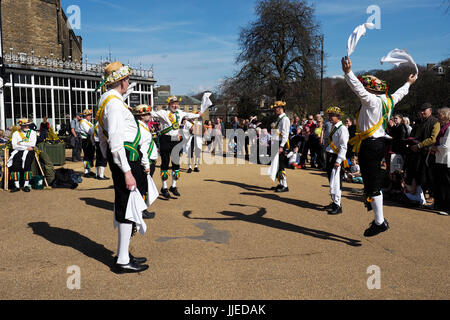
86 128
336 152
376 108
170 136
283 126
23 143
120 136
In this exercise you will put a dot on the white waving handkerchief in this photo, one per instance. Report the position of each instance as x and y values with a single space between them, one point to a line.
206 102
356 35
398 57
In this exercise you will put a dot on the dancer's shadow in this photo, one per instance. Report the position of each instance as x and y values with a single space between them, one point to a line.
295 202
99 203
69 238
240 184
259 218
97 189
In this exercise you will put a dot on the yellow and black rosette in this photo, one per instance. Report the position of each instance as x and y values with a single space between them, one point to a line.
176 126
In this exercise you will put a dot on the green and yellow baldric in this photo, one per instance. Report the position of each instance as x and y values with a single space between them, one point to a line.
361 136
132 147
25 138
89 124
175 123
330 138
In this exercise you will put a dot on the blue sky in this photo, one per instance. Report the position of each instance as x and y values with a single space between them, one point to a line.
192 44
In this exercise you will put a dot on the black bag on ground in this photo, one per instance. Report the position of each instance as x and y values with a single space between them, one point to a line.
63 179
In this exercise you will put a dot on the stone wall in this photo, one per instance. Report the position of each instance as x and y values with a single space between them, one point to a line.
38 25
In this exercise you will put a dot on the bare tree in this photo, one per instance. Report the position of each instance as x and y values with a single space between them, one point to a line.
279 48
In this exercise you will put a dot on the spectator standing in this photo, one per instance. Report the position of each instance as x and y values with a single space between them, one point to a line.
441 169
76 138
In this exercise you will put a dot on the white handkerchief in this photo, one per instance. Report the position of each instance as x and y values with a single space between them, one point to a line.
130 90
356 35
135 206
273 169
398 57
153 192
335 181
206 102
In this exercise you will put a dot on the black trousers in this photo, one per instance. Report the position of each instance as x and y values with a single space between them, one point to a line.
20 168
167 146
76 151
370 157
88 151
100 160
441 175
121 193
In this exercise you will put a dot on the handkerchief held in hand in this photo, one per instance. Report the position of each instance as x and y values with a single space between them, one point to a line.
273 169
135 206
398 57
356 35
206 102
129 91
335 181
153 192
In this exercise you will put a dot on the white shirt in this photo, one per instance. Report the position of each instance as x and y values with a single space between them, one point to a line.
86 128
340 140
119 123
19 145
146 141
283 127
443 156
372 107
163 116
292 157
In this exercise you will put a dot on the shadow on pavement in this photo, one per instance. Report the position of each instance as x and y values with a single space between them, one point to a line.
69 238
259 218
240 184
99 203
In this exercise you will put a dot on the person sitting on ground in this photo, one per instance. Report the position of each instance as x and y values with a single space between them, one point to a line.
354 174
294 158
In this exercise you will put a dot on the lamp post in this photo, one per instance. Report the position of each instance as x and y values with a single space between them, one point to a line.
2 74
321 73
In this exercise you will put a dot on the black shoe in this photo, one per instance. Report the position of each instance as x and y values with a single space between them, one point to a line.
165 193
26 189
375 229
277 187
133 259
131 267
282 189
90 175
174 191
15 189
331 206
189 170
336 210
147 215
196 169
104 178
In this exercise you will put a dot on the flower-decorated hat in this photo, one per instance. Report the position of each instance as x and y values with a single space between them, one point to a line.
278 104
334 110
142 110
173 99
87 112
373 83
115 72
24 122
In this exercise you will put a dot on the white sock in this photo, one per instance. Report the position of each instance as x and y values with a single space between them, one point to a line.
174 183
101 172
123 256
26 184
164 184
283 182
377 206
17 184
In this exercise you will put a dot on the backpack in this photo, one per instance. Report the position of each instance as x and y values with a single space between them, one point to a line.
64 179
